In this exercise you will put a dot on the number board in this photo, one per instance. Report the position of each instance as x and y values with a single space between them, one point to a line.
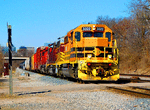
100 29
86 28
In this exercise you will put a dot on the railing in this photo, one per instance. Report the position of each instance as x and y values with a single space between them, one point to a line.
115 52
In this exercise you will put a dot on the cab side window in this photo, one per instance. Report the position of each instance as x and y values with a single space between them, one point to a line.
108 35
77 36
66 39
71 38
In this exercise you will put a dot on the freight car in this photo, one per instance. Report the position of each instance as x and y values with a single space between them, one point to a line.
88 52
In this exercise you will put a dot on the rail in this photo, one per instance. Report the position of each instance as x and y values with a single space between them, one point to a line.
135 75
134 90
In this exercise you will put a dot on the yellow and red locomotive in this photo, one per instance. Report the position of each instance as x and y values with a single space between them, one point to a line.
87 52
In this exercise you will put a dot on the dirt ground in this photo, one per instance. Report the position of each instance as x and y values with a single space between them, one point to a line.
27 89
27 94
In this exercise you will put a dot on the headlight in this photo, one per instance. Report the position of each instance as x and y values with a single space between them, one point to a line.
94 27
109 56
89 55
81 62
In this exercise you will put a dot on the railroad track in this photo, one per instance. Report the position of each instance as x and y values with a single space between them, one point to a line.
121 80
133 90
135 77
132 80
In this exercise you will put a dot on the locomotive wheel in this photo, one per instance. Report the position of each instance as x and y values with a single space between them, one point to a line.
76 73
80 81
59 73
63 76
41 70
73 72
48 72
53 70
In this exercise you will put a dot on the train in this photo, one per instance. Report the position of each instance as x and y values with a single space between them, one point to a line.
88 52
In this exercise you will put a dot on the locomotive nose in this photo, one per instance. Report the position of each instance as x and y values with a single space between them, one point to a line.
95 42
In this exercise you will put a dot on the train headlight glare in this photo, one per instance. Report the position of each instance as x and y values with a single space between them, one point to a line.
81 62
89 55
94 27
109 56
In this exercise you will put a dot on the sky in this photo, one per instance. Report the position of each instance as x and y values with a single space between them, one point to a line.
35 22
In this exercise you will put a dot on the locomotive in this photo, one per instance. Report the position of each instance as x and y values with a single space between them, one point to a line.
87 52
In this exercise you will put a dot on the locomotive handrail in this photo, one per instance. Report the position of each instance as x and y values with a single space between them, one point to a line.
104 52
115 43
76 49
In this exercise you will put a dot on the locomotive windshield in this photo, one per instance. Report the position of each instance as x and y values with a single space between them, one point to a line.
98 34
90 34
87 34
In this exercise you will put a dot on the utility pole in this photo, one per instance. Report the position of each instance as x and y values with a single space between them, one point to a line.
10 60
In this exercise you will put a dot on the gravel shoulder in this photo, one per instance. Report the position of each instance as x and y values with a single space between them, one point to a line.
48 93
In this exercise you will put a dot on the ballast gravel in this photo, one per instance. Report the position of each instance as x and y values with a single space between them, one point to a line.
69 96
42 80
99 100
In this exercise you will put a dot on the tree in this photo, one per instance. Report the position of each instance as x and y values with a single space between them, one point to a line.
110 22
140 11
133 35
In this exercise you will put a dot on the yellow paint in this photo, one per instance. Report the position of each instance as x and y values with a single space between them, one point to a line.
94 72
96 51
84 72
110 78
88 42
